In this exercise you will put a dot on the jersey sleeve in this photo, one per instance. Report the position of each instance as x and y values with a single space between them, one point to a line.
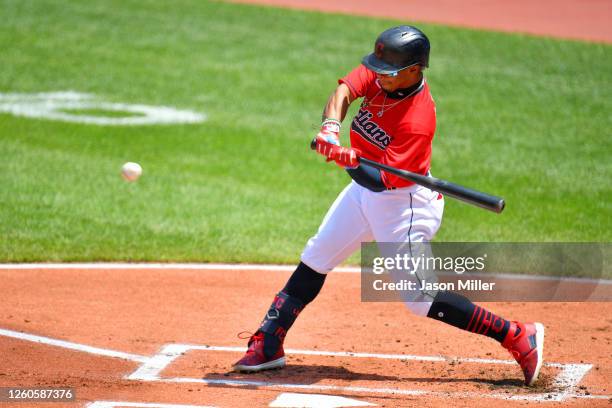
358 81
411 153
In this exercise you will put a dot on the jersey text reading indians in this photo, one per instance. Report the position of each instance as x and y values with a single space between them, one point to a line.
369 130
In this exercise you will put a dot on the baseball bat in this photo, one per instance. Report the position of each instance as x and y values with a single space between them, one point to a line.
465 194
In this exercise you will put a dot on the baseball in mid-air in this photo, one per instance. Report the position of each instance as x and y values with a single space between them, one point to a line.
131 171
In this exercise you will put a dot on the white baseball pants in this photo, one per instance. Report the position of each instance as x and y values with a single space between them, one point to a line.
411 214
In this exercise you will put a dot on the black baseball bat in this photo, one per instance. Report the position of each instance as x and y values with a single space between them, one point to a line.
465 194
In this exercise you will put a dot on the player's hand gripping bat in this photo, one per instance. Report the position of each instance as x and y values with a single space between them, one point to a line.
465 194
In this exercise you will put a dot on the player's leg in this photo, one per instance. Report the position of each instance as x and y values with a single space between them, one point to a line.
402 222
418 222
525 341
340 234
266 345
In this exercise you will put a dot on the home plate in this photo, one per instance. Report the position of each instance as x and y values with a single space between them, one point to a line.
292 400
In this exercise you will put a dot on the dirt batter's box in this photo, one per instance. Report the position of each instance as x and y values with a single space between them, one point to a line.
564 383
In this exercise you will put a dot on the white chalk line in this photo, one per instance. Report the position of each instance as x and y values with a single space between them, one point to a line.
57 106
169 266
566 381
151 367
260 267
113 404
73 346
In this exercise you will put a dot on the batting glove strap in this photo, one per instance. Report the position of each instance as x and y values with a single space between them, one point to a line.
330 131
331 125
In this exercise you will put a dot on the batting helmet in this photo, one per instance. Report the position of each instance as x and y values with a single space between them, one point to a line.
398 48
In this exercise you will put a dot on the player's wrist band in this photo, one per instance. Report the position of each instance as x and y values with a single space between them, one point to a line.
332 125
331 120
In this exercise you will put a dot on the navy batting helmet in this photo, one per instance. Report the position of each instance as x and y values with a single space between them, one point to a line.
398 48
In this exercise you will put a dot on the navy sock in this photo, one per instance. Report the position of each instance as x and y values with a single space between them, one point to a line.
457 310
305 283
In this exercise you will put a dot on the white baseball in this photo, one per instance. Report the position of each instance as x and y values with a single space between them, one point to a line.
131 171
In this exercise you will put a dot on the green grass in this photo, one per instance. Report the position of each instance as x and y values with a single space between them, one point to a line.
521 117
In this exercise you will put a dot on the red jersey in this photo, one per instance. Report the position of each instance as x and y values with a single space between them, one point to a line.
401 135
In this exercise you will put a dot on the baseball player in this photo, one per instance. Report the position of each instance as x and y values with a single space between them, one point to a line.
395 125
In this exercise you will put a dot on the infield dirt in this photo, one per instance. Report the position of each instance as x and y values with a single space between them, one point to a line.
139 311
570 19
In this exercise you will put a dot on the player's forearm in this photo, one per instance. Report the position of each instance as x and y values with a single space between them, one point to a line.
338 103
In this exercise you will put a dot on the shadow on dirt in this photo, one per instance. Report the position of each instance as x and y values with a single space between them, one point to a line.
313 374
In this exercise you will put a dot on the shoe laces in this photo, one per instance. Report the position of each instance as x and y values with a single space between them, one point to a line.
242 334
253 337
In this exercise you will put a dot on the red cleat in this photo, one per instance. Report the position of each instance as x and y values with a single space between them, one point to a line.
255 360
527 348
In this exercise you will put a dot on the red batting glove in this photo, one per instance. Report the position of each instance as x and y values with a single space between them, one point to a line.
348 157
343 156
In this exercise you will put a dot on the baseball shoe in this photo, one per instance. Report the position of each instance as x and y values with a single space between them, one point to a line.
527 348
255 360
